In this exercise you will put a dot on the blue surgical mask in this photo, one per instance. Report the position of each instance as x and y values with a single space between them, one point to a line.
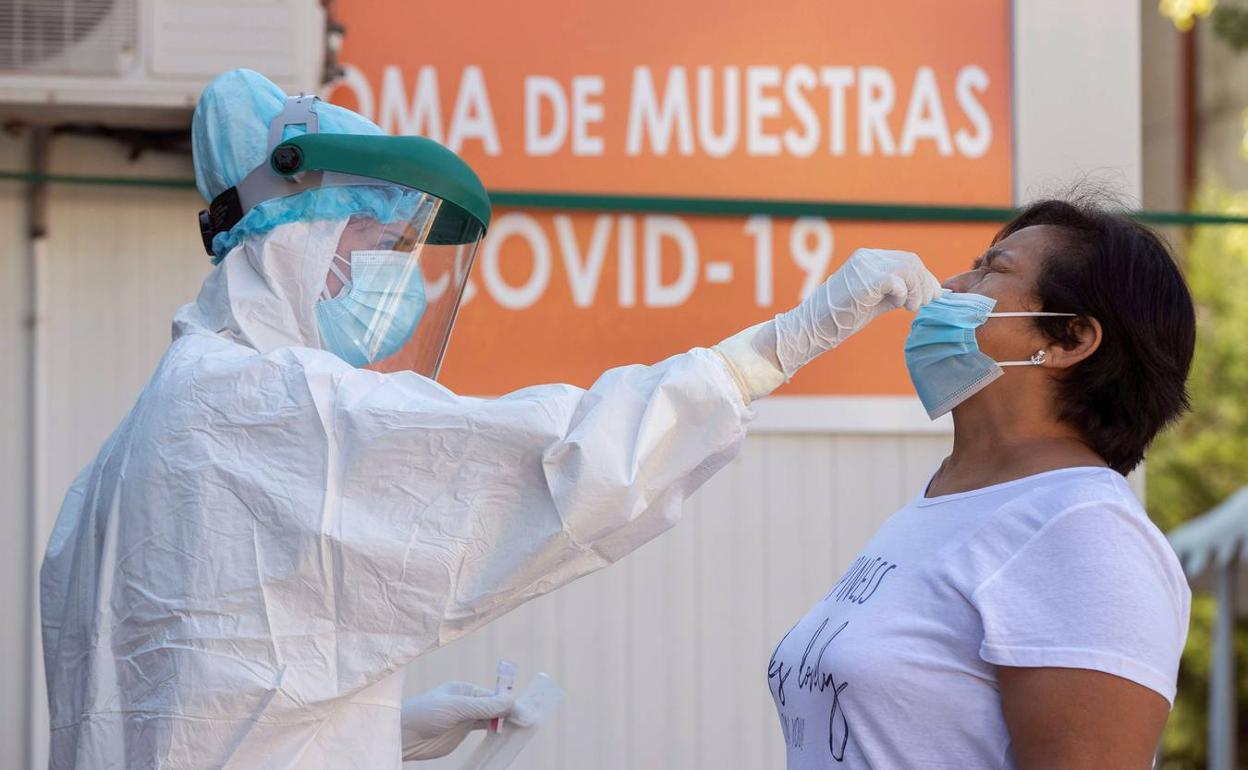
377 310
943 356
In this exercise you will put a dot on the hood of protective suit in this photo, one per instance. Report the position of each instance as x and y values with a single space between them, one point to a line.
230 137
273 263
263 294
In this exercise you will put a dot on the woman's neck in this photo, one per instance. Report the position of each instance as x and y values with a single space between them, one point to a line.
996 442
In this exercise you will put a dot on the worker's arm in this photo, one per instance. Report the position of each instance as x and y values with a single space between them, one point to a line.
1080 720
465 508
872 282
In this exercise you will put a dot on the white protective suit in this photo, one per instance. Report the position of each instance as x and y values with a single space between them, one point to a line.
239 577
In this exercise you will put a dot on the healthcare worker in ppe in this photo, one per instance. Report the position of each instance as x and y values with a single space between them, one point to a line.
294 509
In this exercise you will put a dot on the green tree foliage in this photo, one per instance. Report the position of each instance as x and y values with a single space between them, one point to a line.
1202 460
1230 22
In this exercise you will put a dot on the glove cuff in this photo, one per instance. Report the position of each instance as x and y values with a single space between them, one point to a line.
750 356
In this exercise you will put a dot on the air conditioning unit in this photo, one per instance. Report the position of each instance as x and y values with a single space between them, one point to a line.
144 62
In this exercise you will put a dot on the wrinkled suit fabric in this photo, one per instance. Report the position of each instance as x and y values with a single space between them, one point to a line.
239 576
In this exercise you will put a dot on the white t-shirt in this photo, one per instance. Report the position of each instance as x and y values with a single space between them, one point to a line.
895 666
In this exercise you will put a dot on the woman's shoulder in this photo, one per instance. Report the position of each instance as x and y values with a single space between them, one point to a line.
1082 580
1087 517
1067 488
1067 521
1056 498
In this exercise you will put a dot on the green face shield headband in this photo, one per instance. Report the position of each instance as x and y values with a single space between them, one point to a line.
313 160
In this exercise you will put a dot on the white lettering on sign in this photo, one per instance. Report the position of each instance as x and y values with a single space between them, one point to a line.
761 106
801 80
717 145
876 95
970 81
421 116
759 228
925 117
473 118
524 296
655 230
585 271
539 92
813 258
420 111
546 102
585 112
719 272
837 80
667 272
648 120
717 112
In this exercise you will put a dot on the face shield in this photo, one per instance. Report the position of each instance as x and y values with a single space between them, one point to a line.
395 221
395 277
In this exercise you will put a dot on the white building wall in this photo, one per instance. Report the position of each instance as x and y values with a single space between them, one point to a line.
120 260
1162 118
663 655
14 469
1077 96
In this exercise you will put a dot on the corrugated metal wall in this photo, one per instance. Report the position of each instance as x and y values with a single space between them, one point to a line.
14 584
663 655
119 261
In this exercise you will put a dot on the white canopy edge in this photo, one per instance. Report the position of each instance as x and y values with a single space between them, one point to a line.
1215 540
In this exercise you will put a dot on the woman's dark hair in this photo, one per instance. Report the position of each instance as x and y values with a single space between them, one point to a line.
1107 266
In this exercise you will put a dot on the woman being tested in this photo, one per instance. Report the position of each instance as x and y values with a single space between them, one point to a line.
1021 611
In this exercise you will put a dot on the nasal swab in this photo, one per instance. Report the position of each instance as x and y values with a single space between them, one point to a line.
504 684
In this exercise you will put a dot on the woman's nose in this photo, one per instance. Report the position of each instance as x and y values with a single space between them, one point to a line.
960 282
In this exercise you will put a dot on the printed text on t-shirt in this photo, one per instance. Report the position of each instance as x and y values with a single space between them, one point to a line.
859 583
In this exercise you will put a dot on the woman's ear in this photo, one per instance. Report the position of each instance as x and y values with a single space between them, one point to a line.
1086 332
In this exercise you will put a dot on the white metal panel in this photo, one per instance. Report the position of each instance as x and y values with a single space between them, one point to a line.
67 37
725 606
195 40
120 261
145 61
1076 96
14 469
662 701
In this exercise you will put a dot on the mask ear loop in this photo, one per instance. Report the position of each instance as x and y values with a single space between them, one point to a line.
1029 313
1037 359
1040 356
339 273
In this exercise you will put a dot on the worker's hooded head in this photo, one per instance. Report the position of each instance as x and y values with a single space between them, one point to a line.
328 233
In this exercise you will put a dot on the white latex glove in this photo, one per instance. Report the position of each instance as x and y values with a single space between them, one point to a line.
434 723
870 283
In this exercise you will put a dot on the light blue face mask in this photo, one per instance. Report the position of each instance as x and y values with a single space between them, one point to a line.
377 310
943 356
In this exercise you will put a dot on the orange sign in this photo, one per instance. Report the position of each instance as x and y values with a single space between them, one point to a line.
812 99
